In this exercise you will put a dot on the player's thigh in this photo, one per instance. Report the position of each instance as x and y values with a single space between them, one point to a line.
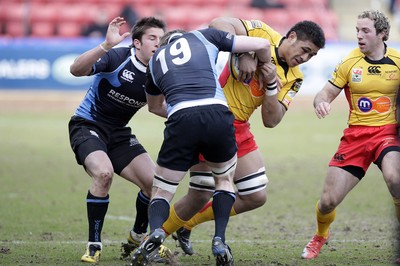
140 171
391 172
98 165
338 183
248 164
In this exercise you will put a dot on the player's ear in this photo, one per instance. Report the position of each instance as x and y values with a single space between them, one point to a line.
136 43
292 36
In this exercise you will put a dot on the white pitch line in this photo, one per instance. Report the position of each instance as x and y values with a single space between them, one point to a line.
247 241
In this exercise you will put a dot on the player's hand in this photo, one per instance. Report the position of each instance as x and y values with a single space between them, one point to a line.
113 37
322 109
247 67
267 74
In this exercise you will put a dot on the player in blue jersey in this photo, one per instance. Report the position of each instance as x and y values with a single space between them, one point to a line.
99 135
183 73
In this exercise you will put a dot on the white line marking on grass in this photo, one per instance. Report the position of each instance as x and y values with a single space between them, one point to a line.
249 241
121 218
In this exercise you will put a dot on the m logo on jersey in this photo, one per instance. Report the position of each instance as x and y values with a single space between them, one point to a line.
128 75
356 75
374 70
380 105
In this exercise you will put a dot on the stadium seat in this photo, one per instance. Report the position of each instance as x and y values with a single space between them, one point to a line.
203 16
15 29
41 12
247 12
69 29
42 29
15 11
72 13
179 16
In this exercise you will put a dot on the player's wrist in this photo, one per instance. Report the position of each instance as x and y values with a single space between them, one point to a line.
104 47
271 88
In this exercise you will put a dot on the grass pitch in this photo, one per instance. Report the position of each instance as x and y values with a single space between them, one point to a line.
43 191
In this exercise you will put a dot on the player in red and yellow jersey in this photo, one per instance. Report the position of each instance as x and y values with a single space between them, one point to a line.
244 95
370 78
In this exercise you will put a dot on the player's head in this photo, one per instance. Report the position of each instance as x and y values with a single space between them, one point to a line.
308 31
146 35
381 22
301 43
171 36
142 25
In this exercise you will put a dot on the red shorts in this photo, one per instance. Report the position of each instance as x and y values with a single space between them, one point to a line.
362 145
244 139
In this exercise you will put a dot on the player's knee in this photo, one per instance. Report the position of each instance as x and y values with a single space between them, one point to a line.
254 200
201 181
254 183
328 203
103 177
166 185
393 185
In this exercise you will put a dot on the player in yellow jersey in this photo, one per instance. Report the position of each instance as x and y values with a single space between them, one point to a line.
370 78
244 96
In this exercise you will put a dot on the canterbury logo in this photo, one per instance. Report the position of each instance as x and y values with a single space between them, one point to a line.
374 70
128 75
338 157
149 247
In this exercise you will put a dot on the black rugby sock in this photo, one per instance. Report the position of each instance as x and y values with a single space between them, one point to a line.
96 212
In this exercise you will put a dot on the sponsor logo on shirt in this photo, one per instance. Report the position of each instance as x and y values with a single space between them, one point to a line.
356 74
380 105
125 99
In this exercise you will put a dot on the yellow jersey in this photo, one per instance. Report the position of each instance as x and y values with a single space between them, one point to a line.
244 98
371 87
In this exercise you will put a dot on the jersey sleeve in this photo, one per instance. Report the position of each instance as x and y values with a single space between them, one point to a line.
221 39
289 91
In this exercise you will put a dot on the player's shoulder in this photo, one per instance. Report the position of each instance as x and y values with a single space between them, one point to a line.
120 52
258 28
352 57
392 52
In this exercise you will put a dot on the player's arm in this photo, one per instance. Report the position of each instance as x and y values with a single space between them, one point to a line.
228 24
247 64
272 111
155 99
157 105
260 46
83 64
323 99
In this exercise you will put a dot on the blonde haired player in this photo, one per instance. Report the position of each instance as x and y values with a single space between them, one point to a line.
370 78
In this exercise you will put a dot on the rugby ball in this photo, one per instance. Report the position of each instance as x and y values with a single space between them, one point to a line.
233 62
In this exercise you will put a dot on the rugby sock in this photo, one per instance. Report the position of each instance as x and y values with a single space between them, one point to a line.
96 211
324 221
173 222
158 213
142 219
204 215
222 204
397 207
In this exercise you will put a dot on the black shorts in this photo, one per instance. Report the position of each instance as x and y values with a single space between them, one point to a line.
119 143
206 129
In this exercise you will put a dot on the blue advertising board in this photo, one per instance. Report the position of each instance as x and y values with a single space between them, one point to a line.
44 63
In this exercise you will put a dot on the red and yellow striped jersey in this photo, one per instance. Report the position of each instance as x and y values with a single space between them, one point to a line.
371 87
